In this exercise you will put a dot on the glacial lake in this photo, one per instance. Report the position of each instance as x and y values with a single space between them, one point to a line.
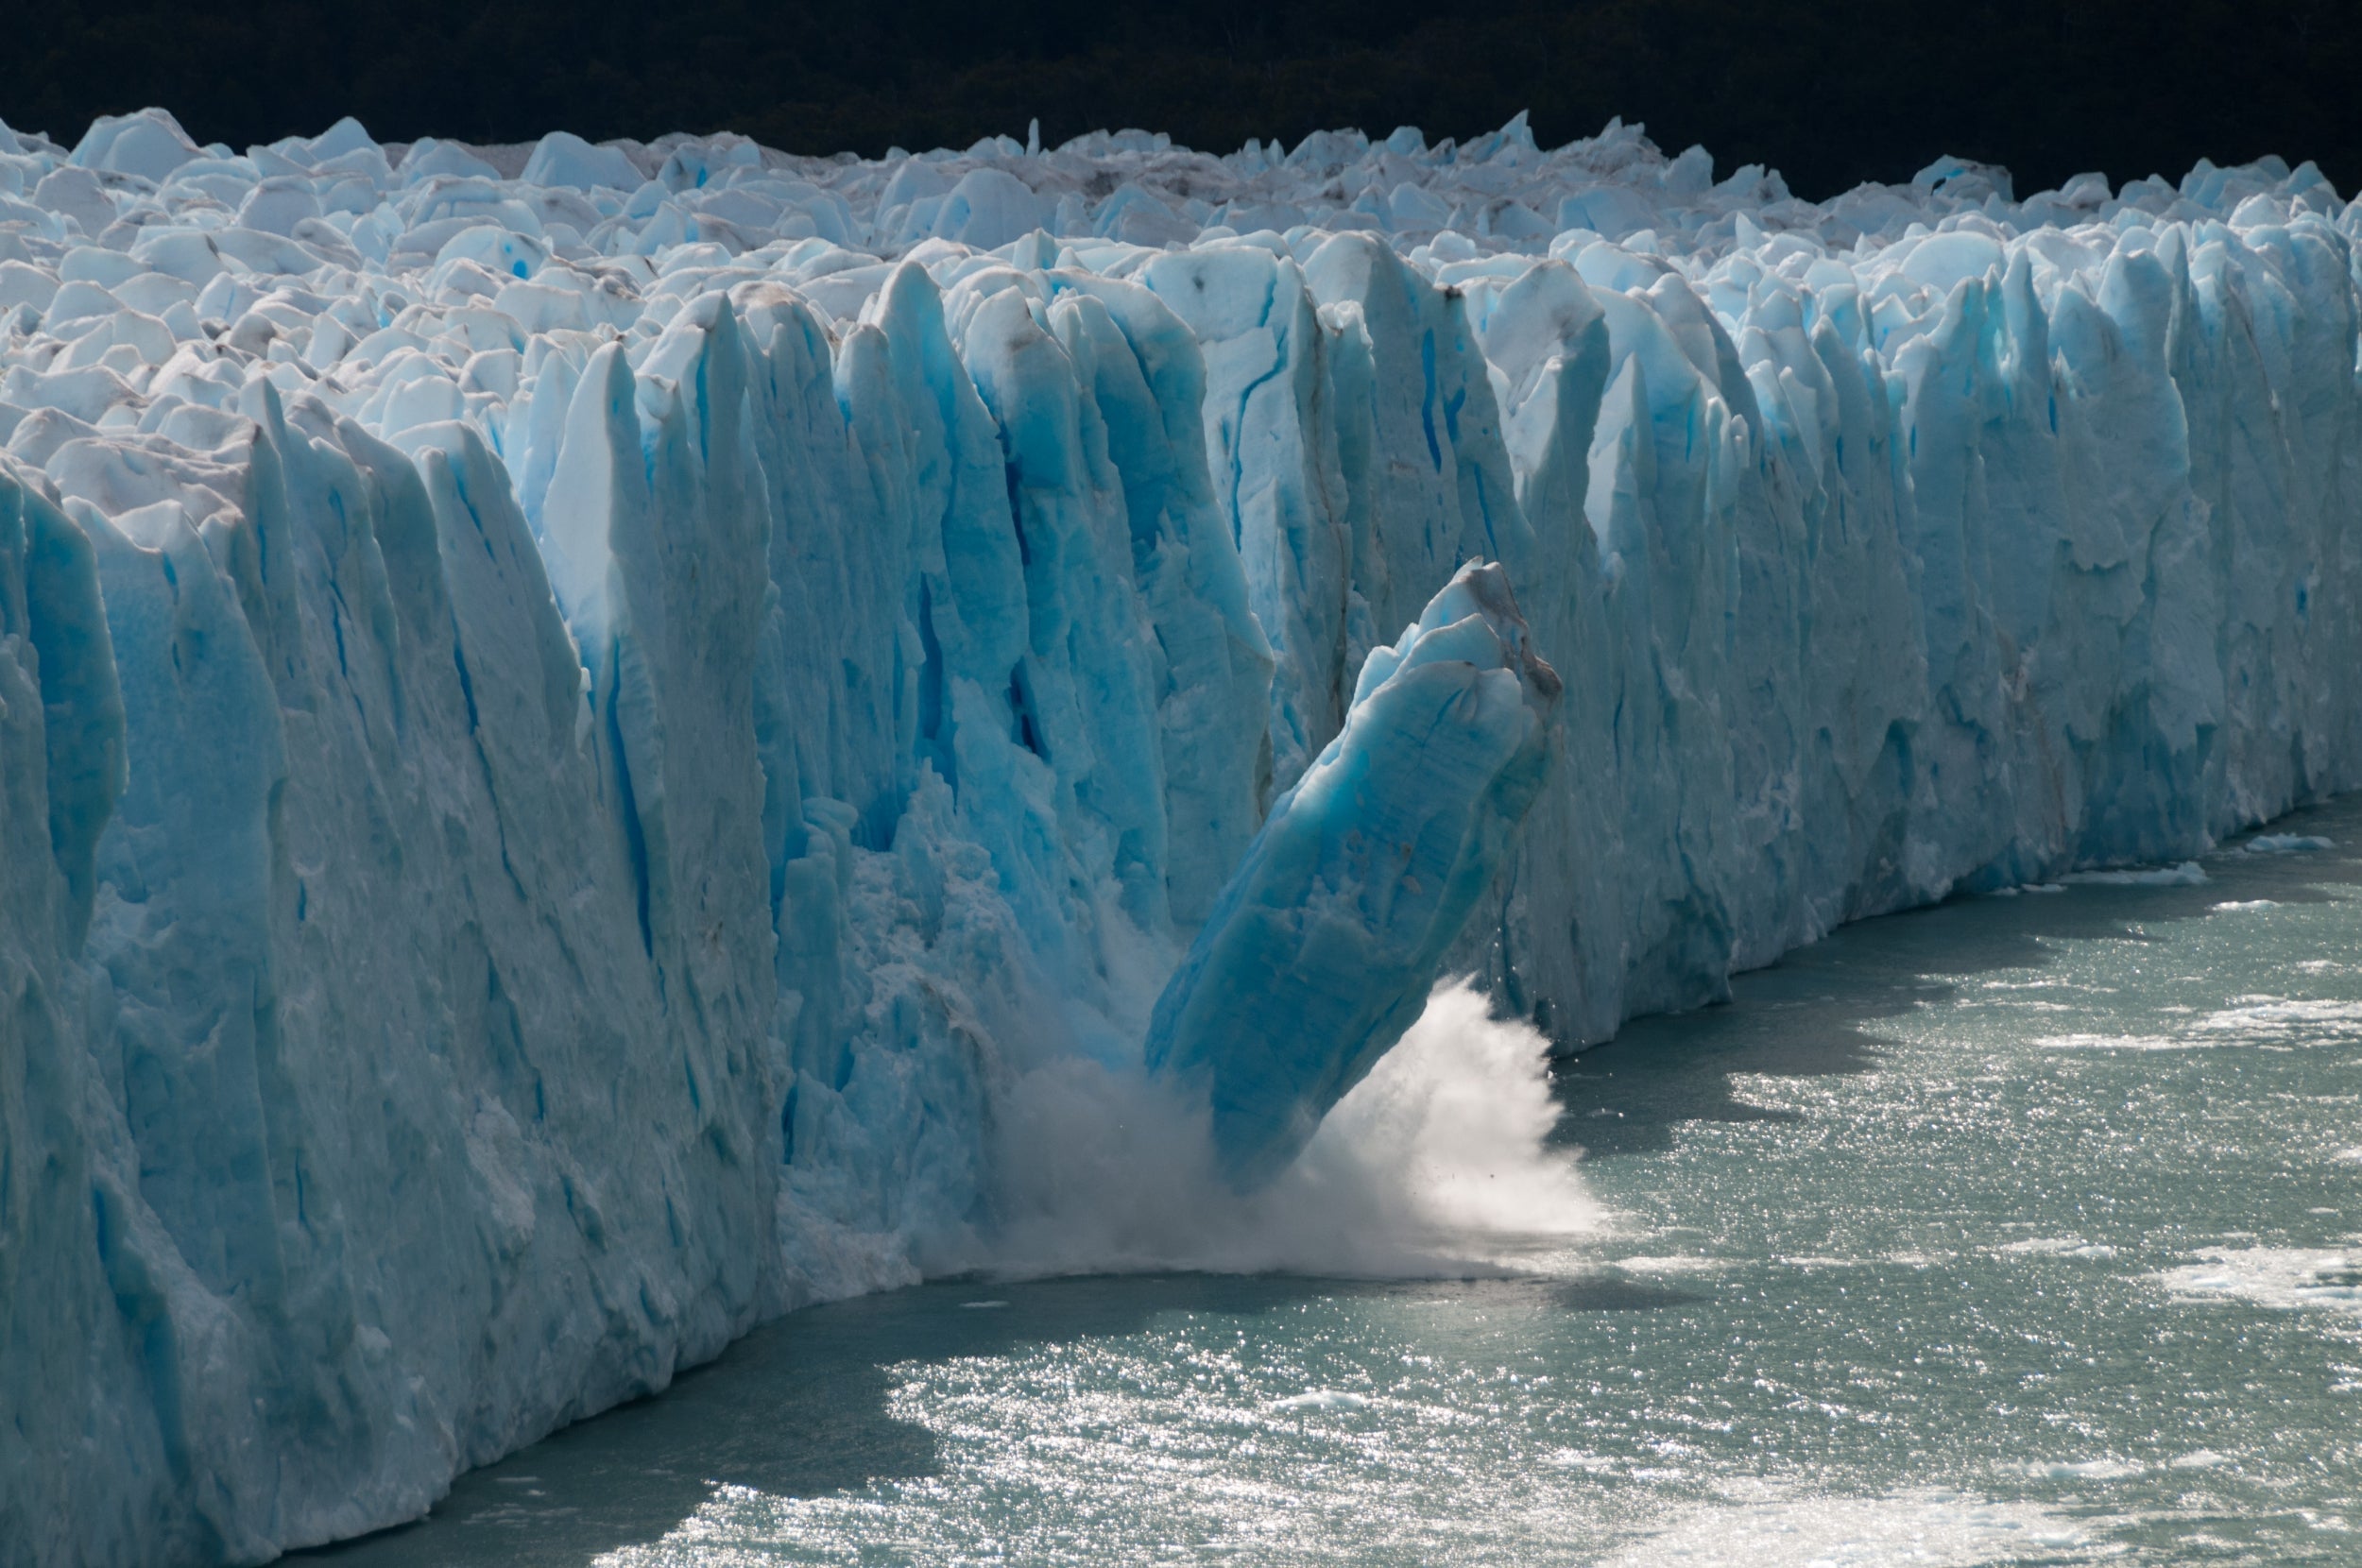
2020 1230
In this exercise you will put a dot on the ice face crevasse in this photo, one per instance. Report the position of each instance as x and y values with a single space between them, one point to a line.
1320 951
575 719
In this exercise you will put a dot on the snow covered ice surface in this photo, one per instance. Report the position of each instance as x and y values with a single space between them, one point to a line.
574 719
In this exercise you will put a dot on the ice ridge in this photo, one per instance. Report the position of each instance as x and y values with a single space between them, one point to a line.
572 716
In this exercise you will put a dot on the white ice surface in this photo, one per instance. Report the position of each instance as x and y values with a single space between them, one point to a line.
575 719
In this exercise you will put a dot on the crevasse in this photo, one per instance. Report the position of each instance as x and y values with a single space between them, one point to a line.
570 716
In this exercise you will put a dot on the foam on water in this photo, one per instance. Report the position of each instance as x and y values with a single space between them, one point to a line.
2281 1018
2084 1469
2275 1023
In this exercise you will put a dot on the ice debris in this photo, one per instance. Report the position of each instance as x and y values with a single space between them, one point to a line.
2185 874
2287 843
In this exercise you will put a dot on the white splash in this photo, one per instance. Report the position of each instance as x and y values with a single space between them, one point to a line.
1436 1165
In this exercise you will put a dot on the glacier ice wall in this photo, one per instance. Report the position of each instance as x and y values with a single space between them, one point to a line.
571 717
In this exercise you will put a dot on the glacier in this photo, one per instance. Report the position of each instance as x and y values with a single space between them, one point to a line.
573 717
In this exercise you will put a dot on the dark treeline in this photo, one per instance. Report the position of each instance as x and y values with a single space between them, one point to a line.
1829 93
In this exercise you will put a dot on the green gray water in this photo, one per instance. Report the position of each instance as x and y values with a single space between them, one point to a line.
2018 1230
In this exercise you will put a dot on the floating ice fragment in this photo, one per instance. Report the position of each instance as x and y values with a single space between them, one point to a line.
2187 874
1322 1399
2084 1469
2115 1042
2286 843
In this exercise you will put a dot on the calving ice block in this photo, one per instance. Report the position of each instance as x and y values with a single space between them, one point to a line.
1320 951
575 719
